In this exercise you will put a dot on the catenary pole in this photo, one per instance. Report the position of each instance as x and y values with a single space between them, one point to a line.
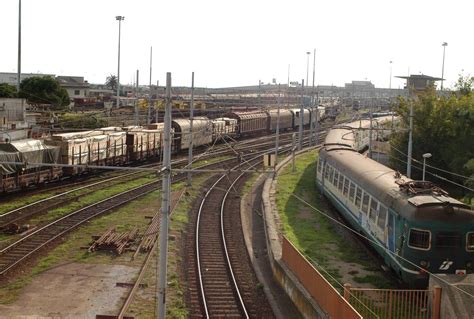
137 120
300 134
410 142
148 117
165 204
277 137
18 80
370 131
156 110
119 18
191 120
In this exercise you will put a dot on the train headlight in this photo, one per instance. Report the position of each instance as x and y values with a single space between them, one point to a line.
469 264
424 264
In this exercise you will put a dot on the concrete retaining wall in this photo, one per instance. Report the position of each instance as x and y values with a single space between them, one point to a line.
298 294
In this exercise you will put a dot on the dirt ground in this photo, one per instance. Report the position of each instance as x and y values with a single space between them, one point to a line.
72 291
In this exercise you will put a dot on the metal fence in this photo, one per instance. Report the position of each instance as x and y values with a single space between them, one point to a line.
394 303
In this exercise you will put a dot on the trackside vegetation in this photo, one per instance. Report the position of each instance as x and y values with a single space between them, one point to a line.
444 127
332 250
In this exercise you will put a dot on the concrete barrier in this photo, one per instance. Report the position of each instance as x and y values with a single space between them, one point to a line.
301 297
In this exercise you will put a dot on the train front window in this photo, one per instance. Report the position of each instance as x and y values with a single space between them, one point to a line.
419 239
470 241
448 239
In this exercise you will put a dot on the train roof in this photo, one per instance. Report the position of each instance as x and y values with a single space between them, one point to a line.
76 135
247 115
184 125
389 186
26 150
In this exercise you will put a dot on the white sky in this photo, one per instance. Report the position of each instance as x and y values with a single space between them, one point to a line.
231 43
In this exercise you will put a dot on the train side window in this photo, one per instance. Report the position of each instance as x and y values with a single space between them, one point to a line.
382 216
365 203
358 197
326 171
419 239
341 182
336 178
470 241
346 186
320 164
352 192
373 209
331 173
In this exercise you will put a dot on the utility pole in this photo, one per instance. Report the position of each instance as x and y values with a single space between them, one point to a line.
156 111
314 73
442 70
410 142
148 117
165 205
293 148
300 135
119 19
277 137
191 119
18 80
370 132
137 120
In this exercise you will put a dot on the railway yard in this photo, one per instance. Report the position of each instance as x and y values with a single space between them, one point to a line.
245 240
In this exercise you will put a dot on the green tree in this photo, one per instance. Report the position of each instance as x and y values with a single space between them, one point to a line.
7 90
443 127
464 84
44 90
82 120
111 82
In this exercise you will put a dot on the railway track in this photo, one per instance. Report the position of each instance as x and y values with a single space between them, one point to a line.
18 251
10 221
220 274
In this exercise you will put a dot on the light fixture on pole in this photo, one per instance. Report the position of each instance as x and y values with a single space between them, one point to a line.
425 156
307 66
390 83
119 19
445 44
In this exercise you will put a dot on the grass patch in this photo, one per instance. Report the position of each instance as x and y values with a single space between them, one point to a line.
125 218
312 233
374 280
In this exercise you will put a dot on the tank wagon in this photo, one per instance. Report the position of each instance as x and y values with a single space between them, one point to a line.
415 226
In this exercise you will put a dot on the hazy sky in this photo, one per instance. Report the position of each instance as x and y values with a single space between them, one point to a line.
231 43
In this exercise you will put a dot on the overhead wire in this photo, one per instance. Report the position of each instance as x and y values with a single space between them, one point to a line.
373 242
433 174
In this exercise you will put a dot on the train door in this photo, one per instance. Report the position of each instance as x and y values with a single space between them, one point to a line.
391 232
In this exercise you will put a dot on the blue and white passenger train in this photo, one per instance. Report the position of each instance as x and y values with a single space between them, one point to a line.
415 226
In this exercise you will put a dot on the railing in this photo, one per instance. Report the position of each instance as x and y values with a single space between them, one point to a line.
393 303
